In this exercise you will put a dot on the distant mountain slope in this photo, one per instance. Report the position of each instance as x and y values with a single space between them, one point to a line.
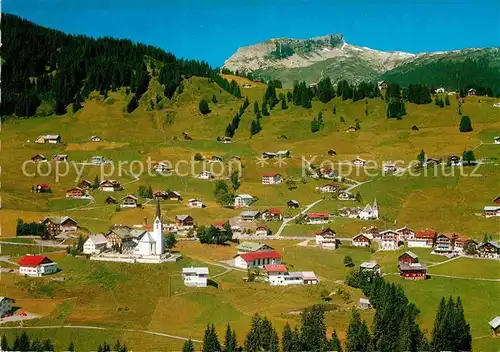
311 59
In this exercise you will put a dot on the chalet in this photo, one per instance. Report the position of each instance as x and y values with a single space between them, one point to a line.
205 175
490 211
364 303
59 224
162 167
42 188
326 238
382 85
195 277
413 271
371 267
248 247
369 212
85 184
173 195
345 195
243 200
408 257
496 140
454 160
95 139
349 212
329 188
495 326
129 201
423 239
75 192
271 179
184 221
496 200
283 154
471 92
405 233
359 162
36 265
268 155
226 140
159 194
332 152
250 215
372 232
389 168
317 218
262 230
351 129
414 128
5 306
272 214
361 240
49 138
98 160
110 186
292 204
256 259
488 250
460 243
195 203
327 172
60 158
444 243
388 240
111 200
95 244
216 159
38 158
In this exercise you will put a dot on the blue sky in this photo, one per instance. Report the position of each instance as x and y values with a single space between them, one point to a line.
213 30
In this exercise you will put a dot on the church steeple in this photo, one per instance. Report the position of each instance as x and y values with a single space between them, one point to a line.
158 231
158 211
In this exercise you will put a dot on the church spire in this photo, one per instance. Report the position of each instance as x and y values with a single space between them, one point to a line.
158 211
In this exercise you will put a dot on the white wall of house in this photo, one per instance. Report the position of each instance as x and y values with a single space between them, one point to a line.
418 243
44 269
195 280
90 248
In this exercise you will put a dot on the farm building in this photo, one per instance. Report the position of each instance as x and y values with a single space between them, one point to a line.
60 158
95 139
490 211
408 257
256 259
205 175
495 326
364 303
184 221
471 92
195 277
38 158
488 249
262 231
173 195
162 167
249 215
371 267
346 195
496 140
36 265
95 244
42 188
292 204
98 160
359 162
85 184
110 200
329 188
110 186
49 138
389 168
413 271
75 192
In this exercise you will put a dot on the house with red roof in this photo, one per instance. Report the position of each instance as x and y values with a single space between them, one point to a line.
460 243
262 231
271 179
272 214
275 274
326 238
317 218
42 188
256 259
36 265
423 239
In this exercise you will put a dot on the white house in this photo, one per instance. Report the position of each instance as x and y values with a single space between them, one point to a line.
491 210
271 179
129 201
95 244
36 265
405 233
5 305
372 267
205 175
346 195
195 203
162 167
243 200
275 274
195 277
359 162
496 140
423 239
110 186
388 240
256 259
329 188
440 90
278 275
326 238
369 212
317 218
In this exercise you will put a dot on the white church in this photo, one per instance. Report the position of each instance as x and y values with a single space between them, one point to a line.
152 243
369 212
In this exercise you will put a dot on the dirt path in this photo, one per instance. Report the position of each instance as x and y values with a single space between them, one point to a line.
443 262
87 327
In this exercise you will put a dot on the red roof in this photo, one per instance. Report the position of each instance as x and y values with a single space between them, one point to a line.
33 260
275 268
250 257
263 227
318 215
320 232
274 211
270 175
220 223
427 233
496 200
44 185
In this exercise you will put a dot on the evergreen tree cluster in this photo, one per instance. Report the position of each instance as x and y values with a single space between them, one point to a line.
439 101
451 331
325 91
46 65
395 104
31 229
317 123
302 95
235 123
215 235
223 194
419 94
270 96
357 92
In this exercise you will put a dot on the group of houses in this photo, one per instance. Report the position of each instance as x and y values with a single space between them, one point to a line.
251 255
369 212
278 154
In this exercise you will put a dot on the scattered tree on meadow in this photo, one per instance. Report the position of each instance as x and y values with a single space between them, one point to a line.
235 180
348 261
265 112
230 342
223 194
210 340
465 124
170 241
468 157
188 346
255 127
451 331
203 106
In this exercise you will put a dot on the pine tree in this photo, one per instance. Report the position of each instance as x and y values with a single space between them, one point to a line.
265 112
274 342
4 345
358 126
447 100
188 346
465 124
203 106
296 341
230 342
283 104
289 96
287 338
210 340
421 157
334 343
353 343
255 107
313 329
214 99
462 329
334 110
